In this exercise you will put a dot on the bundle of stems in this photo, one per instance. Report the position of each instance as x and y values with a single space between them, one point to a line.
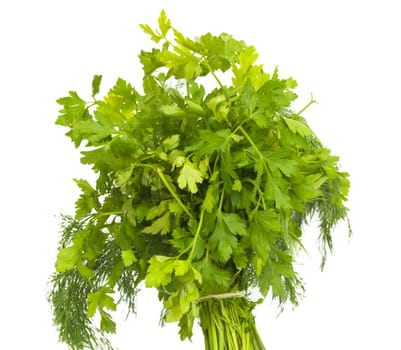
228 324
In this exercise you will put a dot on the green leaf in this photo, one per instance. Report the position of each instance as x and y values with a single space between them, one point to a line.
107 324
159 271
172 111
223 241
174 314
124 175
150 63
125 147
128 257
191 294
210 199
277 190
245 60
120 104
88 199
280 278
237 186
161 225
171 142
156 211
219 106
192 69
96 84
214 279
66 258
74 109
108 302
267 220
177 158
194 107
100 300
308 187
264 228
181 267
234 223
148 30
297 127
279 160
93 302
164 23
189 177
213 141
84 270
85 186
91 130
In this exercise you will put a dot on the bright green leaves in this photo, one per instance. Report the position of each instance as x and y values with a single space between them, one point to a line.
200 190
67 258
281 280
297 127
160 271
163 272
308 187
74 108
181 302
109 117
189 177
164 26
164 23
119 105
186 58
101 300
97 79
224 239
264 231
87 201
160 225
91 130
171 143
214 279
246 70
76 256
74 111
172 111
209 201
128 257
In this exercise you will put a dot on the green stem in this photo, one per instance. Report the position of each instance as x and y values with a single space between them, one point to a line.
240 128
173 193
228 324
198 230
217 79
221 201
311 102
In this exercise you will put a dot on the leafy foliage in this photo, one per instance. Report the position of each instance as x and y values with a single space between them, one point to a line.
198 191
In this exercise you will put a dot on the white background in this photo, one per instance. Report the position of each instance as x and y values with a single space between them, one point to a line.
345 52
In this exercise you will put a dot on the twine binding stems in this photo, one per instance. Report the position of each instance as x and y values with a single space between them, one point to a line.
239 294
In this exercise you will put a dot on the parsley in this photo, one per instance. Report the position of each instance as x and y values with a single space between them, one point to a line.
200 193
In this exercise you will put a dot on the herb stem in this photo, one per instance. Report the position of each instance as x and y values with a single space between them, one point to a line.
221 201
218 80
110 213
173 193
311 102
254 147
198 230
